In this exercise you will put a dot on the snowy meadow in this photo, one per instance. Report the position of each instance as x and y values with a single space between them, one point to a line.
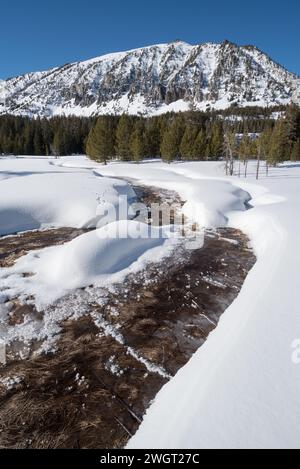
231 392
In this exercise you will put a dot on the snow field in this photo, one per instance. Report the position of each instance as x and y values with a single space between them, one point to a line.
241 389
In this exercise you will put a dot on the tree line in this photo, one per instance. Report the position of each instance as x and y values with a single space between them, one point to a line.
196 136
56 136
233 134
278 142
190 136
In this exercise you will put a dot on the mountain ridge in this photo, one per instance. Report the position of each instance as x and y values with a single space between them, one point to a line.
150 80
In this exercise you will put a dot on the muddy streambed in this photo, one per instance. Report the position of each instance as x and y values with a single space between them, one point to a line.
109 364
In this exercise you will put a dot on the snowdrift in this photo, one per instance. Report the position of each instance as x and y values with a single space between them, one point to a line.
241 389
100 257
209 199
35 195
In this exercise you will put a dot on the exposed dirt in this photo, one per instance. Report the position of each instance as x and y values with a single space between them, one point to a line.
110 364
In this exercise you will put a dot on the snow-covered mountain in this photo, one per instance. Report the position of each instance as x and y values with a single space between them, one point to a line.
152 80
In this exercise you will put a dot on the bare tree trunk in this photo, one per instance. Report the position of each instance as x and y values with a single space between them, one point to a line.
267 168
239 167
258 162
226 163
246 168
231 164
229 147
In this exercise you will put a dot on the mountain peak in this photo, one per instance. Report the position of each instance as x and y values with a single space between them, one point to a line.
226 42
153 80
179 41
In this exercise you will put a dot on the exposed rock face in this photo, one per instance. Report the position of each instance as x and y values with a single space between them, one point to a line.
152 80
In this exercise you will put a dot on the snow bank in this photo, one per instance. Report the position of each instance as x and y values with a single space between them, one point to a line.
35 194
101 257
241 389
208 200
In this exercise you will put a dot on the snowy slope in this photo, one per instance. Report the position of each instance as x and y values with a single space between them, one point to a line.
152 80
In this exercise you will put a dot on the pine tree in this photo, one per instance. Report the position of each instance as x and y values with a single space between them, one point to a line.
295 154
152 136
137 141
200 146
217 140
123 136
245 148
279 148
100 143
170 146
292 123
38 143
188 142
28 148
59 143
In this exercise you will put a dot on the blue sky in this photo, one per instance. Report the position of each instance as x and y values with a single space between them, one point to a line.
36 35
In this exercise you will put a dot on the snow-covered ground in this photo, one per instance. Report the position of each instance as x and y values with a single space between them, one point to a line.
35 194
41 193
241 389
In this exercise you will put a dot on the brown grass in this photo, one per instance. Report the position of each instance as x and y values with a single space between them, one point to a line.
51 409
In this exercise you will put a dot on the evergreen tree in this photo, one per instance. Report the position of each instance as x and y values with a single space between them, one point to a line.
123 136
188 142
28 148
170 145
245 149
137 141
152 136
38 142
217 140
279 148
59 147
100 143
200 146
295 154
292 123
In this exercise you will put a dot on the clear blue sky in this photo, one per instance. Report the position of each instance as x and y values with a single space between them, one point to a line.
36 35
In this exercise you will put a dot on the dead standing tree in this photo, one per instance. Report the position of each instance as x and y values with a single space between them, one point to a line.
258 159
230 145
244 152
